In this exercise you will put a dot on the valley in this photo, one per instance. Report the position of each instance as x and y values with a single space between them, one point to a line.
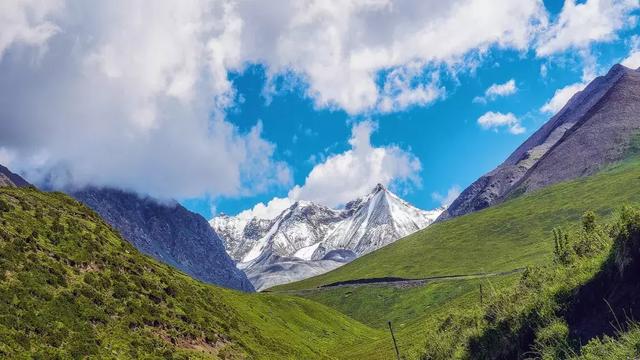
415 309
114 245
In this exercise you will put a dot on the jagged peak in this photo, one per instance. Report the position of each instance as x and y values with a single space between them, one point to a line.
379 187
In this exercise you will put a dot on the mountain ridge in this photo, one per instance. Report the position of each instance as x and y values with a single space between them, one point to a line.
169 233
528 168
8 178
308 239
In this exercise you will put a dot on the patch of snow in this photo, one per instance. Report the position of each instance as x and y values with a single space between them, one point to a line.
290 247
306 252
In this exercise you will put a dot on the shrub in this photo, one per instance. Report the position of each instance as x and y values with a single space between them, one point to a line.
562 252
4 206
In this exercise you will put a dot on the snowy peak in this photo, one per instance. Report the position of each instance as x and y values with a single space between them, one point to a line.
312 233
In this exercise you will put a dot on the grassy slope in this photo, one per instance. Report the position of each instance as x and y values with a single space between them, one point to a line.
374 305
579 307
500 238
72 287
409 309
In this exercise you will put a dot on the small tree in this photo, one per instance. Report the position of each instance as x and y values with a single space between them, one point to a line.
592 238
562 252
589 221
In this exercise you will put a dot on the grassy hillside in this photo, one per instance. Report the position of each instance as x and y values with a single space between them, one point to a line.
581 306
410 309
71 287
500 238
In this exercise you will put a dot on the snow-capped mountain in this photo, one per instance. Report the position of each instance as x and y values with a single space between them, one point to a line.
308 239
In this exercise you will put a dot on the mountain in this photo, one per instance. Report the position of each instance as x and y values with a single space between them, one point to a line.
169 233
598 126
72 288
308 239
7 178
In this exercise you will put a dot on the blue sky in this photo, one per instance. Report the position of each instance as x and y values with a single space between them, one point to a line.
445 136
244 106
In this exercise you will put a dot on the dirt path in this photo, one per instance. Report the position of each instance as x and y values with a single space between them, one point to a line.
404 282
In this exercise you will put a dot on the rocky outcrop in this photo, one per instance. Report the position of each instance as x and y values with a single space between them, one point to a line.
7 178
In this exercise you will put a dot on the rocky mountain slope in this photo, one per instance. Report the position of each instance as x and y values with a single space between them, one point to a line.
598 126
308 239
7 178
168 232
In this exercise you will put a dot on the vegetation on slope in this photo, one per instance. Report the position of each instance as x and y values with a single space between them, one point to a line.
410 309
500 238
71 287
374 305
587 296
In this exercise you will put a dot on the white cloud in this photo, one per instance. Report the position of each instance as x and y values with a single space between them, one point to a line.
340 48
131 99
633 60
496 90
269 210
399 91
580 25
495 120
544 70
449 197
24 22
561 97
342 177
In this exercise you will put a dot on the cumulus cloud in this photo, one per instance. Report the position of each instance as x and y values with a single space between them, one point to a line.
342 177
270 210
103 93
561 97
495 120
580 25
496 90
137 97
340 47
632 61
446 199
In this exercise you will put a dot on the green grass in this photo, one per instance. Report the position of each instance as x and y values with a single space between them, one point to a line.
500 238
409 309
578 307
71 287
374 305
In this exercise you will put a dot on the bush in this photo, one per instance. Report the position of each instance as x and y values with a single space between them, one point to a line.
627 240
4 206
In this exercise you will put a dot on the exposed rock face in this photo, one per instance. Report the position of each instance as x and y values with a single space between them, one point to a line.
168 232
7 178
308 239
598 126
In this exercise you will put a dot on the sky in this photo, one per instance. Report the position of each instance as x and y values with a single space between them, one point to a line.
243 107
